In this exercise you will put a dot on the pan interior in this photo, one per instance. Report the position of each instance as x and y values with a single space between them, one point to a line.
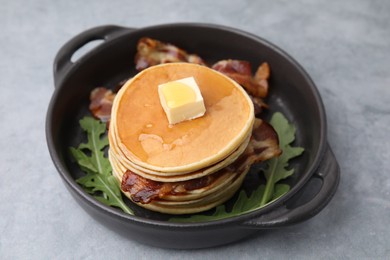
291 92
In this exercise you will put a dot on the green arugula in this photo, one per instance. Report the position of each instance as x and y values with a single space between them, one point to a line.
275 171
98 180
277 167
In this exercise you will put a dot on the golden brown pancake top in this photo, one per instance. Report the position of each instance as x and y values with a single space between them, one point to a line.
144 132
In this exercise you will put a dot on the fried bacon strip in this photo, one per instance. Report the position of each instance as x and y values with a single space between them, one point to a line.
152 52
101 100
144 191
101 103
264 144
241 72
258 104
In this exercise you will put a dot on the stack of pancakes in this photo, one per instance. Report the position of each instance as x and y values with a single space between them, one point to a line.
186 167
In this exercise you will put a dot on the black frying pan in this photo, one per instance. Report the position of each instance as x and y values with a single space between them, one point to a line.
292 92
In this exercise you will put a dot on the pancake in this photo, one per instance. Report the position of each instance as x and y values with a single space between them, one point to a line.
222 178
198 200
191 166
117 158
142 135
196 206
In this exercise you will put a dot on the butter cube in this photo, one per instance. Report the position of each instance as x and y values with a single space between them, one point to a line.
181 100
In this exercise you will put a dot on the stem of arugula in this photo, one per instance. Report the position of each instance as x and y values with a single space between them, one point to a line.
100 171
112 194
269 187
95 148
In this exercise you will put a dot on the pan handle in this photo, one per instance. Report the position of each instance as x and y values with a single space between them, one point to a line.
62 61
329 173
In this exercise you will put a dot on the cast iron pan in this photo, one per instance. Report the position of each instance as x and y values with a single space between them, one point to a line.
292 92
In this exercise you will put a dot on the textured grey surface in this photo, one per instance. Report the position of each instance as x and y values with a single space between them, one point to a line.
345 47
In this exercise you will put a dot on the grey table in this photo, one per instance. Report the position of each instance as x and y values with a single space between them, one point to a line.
345 47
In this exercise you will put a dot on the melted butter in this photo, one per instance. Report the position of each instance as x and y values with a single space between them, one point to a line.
177 94
172 145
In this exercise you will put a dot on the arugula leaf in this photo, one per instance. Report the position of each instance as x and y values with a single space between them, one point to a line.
98 180
275 171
